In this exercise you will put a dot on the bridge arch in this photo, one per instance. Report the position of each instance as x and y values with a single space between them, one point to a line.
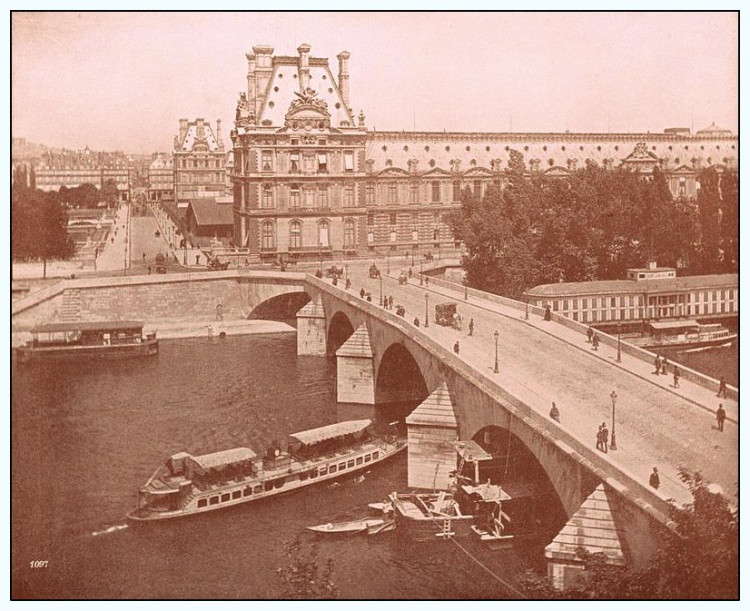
339 330
399 378
283 306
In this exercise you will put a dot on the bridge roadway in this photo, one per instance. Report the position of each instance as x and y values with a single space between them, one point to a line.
541 362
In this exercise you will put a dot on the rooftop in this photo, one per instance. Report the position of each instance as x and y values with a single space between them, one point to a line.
607 287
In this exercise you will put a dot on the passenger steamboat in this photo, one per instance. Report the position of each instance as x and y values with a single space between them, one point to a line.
64 340
683 334
187 485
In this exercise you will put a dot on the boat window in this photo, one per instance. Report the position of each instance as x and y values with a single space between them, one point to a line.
225 497
303 475
202 502
350 463
367 458
269 485
342 466
236 494
313 473
258 489
247 491
278 483
359 460
375 455
214 500
332 469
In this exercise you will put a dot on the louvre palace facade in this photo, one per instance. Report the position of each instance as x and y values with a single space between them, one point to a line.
310 180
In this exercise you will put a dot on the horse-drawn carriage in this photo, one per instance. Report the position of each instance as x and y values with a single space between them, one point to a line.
215 265
374 271
447 316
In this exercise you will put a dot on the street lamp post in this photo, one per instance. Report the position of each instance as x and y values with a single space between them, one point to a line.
497 365
619 356
426 309
387 263
421 277
412 255
466 290
380 277
613 442
527 307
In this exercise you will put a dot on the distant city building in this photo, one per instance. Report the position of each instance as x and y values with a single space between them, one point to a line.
650 292
161 177
199 161
210 217
75 168
309 178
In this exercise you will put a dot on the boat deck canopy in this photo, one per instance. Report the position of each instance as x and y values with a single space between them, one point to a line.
331 431
471 451
224 457
488 492
115 325
674 324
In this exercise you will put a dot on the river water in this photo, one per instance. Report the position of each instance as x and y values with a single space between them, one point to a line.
85 437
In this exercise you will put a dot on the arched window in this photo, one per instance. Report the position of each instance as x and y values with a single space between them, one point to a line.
268 236
267 196
324 233
295 234
349 234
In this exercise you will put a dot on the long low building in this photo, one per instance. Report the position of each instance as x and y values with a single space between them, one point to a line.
310 179
648 293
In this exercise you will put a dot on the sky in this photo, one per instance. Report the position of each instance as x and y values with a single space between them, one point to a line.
121 81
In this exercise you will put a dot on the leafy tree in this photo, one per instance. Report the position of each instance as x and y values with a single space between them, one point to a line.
302 578
109 192
39 226
700 562
709 210
730 222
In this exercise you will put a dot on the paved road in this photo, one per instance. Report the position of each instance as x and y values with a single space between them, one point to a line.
541 362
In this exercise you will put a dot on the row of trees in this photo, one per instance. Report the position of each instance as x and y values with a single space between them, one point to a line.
594 225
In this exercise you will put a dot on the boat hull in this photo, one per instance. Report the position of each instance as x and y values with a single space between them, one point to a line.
273 482
27 354
649 344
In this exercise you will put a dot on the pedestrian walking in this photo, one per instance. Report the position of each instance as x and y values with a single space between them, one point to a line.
664 366
676 376
595 341
554 413
410 273
657 364
605 437
589 334
547 313
427 281
149 270
455 347
654 480
197 259
599 438
144 257
416 321
369 297
390 302
348 284
471 327
721 415
722 388
362 293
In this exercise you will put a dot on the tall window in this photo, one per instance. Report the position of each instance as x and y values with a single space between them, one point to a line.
435 191
322 162
392 218
324 234
295 234
370 193
322 196
392 193
267 236
267 196
478 188
349 234
294 163
456 190
294 197
348 195
348 161
414 192
266 158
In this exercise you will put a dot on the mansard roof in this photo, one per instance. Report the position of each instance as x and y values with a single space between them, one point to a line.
284 88
199 135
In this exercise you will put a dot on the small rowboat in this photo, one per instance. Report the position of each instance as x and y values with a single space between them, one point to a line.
386 525
353 526
381 507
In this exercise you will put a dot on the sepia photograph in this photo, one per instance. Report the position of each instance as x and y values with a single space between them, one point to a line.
379 305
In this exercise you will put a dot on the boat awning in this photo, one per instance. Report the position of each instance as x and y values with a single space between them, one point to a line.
331 431
488 492
471 451
674 324
115 325
225 457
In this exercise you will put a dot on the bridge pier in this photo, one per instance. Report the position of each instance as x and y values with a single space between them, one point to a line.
355 369
432 429
311 330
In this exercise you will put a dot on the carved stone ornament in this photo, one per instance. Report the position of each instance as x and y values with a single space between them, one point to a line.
244 117
307 112
307 98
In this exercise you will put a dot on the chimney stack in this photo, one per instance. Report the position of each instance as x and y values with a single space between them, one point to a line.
304 66
183 130
199 129
218 134
250 79
343 58
263 71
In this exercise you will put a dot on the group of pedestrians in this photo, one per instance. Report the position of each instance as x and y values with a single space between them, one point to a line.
592 338
602 438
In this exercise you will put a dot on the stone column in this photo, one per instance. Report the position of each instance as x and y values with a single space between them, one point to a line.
311 330
355 369
432 429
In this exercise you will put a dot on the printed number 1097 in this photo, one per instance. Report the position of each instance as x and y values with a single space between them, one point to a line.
39 564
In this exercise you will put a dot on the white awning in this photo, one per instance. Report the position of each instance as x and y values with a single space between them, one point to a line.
331 431
674 324
224 457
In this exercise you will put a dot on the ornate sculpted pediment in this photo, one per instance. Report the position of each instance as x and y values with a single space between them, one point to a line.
244 116
307 112
641 153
